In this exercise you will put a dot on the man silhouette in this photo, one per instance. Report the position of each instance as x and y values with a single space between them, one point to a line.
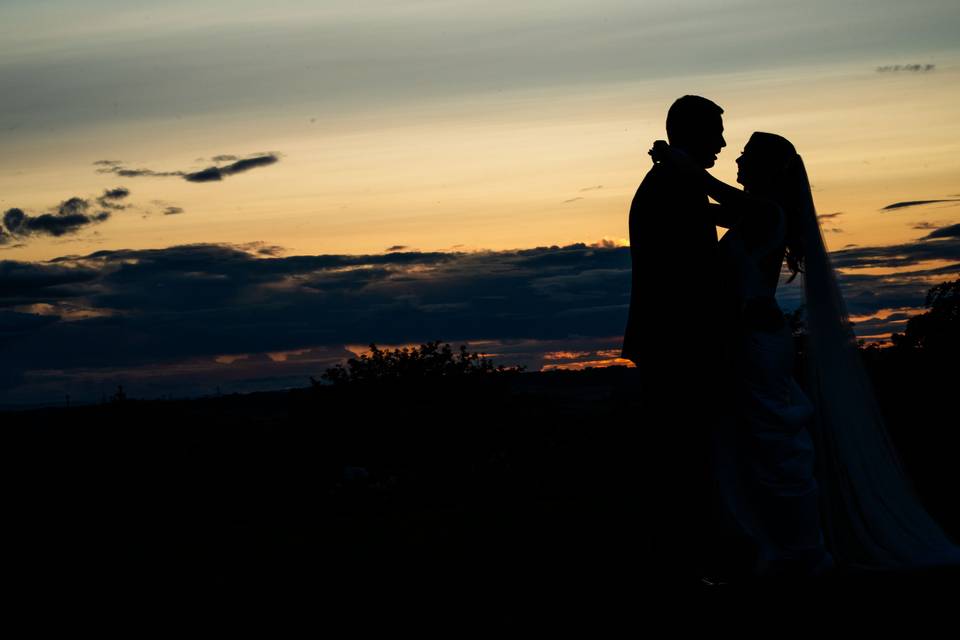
675 336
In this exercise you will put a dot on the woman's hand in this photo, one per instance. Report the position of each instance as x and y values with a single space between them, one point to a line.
659 151
663 153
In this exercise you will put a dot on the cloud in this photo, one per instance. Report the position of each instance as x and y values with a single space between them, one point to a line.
162 308
27 282
924 225
58 225
826 216
138 173
14 322
153 313
923 68
881 324
13 218
573 199
952 231
599 186
396 247
70 216
610 243
110 198
172 211
866 294
897 256
246 164
915 203
115 194
210 174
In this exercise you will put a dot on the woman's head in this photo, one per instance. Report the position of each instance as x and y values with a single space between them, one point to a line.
765 162
769 165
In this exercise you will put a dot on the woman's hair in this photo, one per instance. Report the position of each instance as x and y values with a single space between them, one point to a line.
788 177
797 202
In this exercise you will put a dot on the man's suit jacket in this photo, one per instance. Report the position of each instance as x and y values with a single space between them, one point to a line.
675 281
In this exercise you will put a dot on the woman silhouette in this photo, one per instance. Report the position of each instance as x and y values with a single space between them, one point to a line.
852 497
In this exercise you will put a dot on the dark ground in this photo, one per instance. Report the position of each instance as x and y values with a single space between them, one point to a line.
508 483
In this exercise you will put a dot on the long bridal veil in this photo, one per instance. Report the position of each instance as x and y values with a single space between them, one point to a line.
872 519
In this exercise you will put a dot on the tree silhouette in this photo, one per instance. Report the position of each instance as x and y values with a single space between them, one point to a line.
939 328
427 361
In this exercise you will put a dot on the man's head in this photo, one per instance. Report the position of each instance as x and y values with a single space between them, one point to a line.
694 124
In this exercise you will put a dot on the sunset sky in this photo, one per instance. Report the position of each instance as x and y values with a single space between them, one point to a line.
397 171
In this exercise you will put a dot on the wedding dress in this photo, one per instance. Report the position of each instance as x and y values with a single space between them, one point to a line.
765 458
800 473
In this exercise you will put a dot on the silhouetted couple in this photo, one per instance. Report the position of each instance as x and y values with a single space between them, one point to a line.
743 472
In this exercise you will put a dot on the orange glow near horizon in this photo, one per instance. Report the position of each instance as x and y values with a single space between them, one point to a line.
584 364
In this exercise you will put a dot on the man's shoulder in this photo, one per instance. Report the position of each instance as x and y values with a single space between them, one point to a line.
653 184
665 185
657 177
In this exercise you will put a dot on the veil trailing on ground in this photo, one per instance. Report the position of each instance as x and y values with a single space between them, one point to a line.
871 517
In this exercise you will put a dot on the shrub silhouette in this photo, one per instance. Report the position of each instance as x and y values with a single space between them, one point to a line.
427 361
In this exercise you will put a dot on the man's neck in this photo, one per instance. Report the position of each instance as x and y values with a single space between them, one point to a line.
690 153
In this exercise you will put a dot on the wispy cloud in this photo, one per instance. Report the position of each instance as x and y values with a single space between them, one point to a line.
110 199
914 68
899 256
215 173
915 203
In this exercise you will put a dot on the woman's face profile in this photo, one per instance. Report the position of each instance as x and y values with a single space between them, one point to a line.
744 167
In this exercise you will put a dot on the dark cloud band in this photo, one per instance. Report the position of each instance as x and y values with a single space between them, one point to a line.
153 310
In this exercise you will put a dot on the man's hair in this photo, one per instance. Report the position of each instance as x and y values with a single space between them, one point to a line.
688 115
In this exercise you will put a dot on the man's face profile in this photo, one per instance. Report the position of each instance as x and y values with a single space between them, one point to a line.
705 147
695 125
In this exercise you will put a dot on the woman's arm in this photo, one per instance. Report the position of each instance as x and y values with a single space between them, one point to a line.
736 203
726 217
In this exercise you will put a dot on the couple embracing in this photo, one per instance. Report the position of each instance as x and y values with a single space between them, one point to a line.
745 472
